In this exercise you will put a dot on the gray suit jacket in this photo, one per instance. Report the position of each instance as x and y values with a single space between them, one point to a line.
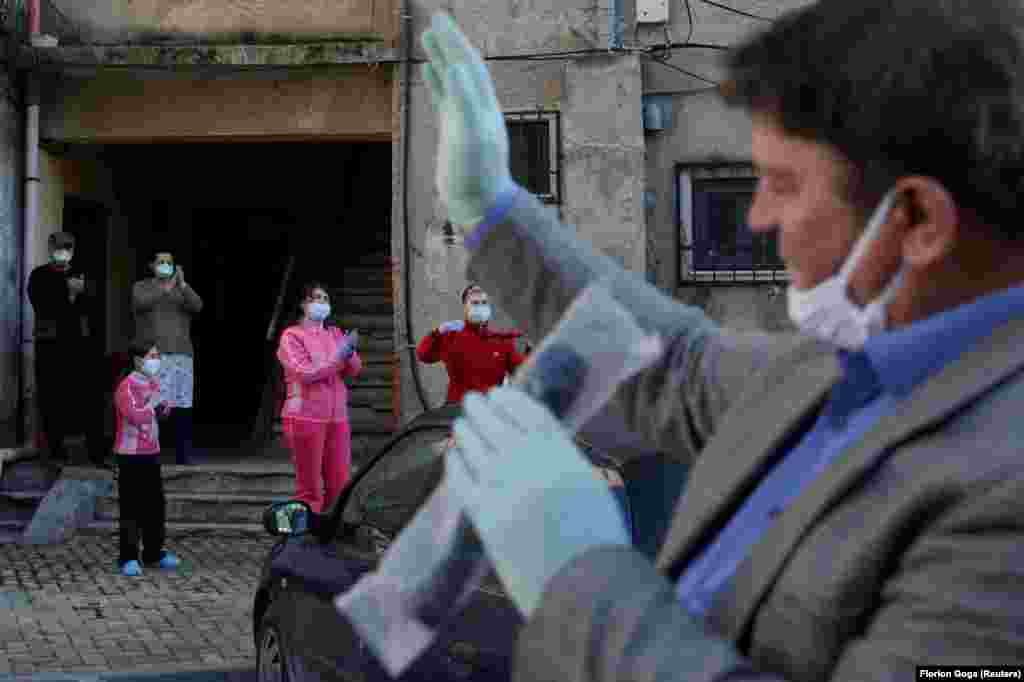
908 550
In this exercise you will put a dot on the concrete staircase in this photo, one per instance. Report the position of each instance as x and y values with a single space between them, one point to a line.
212 497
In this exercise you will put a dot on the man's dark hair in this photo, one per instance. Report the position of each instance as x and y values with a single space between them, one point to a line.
162 249
900 87
470 289
60 240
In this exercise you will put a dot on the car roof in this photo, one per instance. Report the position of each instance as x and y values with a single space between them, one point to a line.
443 417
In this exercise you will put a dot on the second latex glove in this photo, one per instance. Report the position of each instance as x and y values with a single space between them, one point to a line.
453 326
348 345
472 158
533 497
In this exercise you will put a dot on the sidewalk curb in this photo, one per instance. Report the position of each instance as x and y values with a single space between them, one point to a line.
221 675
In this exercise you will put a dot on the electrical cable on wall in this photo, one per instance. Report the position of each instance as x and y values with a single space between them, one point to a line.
736 11
685 72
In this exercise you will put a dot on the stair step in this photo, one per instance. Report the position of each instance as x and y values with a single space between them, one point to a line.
356 275
23 496
365 305
204 480
368 322
16 504
196 508
383 291
182 527
375 343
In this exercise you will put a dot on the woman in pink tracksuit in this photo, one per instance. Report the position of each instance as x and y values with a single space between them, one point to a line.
315 357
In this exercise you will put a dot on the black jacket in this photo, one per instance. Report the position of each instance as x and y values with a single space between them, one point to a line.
56 317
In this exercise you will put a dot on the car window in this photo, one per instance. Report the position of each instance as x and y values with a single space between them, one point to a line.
399 482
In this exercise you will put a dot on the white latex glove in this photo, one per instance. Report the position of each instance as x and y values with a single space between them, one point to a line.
453 326
472 159
531 494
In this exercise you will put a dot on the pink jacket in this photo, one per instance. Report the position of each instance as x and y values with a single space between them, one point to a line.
315 390
137 430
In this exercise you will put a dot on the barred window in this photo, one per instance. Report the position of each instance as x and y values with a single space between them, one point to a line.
716 243
535 152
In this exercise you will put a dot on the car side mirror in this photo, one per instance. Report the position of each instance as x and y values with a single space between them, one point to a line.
288 518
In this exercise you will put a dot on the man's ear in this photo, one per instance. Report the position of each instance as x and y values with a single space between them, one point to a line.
933 221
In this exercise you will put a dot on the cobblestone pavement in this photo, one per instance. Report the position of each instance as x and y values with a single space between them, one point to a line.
67 609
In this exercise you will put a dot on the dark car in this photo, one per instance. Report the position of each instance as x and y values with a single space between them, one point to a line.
299 634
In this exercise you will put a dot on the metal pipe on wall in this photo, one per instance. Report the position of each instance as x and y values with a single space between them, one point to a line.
30 218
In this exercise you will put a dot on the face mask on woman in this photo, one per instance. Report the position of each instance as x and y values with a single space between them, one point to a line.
151 367
317 311
479 313
164 270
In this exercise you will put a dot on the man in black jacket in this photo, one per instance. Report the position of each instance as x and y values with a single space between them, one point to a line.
66 365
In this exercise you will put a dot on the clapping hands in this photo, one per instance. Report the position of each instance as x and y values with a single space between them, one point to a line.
348 345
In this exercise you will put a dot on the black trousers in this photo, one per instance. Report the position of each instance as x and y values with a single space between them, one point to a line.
71 396
180 422
143 508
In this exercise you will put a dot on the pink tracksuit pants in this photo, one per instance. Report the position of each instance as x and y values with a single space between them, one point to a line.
322 455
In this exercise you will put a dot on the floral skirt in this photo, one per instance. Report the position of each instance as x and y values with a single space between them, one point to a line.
177 379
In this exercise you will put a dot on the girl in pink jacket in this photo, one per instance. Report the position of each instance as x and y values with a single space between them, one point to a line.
140 484
316 357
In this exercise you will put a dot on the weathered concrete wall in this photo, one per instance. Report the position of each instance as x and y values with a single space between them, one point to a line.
604 157
346 103
701 129
121 21
602 144
11 180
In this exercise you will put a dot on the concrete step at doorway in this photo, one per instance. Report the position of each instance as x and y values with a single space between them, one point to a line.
221 508
259 480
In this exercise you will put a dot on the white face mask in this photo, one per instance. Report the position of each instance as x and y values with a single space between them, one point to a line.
164 270
480 313
151 366
318 312
62 256
826 311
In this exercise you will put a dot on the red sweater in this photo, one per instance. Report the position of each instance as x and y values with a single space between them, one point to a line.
477 359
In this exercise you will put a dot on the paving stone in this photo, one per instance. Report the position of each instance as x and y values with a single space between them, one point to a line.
65 609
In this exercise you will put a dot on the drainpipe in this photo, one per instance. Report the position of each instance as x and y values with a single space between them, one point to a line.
30 217
407 238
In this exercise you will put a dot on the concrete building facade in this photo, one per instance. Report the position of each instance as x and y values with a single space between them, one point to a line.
293 125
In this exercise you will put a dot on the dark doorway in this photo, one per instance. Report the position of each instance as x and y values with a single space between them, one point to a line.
240 259
235 215
89 222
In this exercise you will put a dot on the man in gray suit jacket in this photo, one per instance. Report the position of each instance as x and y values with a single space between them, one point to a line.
855 506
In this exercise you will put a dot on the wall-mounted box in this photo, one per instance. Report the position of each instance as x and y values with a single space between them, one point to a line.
651 11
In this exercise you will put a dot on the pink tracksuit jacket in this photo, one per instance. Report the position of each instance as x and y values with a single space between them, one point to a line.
315 390
137 430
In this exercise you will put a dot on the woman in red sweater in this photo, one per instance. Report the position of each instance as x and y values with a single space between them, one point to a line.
477 358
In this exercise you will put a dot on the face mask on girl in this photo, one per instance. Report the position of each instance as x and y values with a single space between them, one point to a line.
62 256
318 311
151 367
164 270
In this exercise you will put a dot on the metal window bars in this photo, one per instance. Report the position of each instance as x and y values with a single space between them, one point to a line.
542 149
713 257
